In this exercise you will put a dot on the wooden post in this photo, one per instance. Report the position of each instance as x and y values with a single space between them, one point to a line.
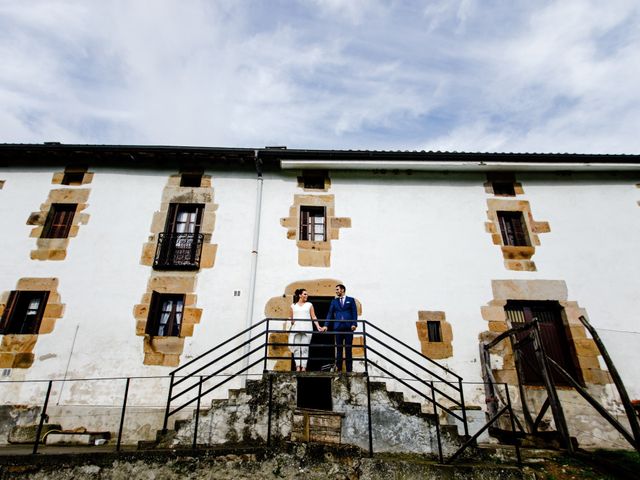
624 396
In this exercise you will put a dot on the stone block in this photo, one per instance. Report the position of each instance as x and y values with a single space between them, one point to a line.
585 347
172 283
23 360
171 361
208 220
186 330
309 245
314 258
314 200
541 227
36 232
493 313
588 362
47 325
37 218
596 376
517 253
69 195
520 265
496 239
191 315
54 310
165 345
529 289
158 221
437 350
152 358
57 178
52 243
358 350
340 222
509 376
190 299
278 307
578 332
148 253
73 231
208 257
490 227
56 255
141 312
37 283
428 315
141 327
6 360
498 327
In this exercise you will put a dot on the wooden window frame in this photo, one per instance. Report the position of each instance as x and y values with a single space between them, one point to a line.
59 220
15 316
513 228
307 224
175 315
175 209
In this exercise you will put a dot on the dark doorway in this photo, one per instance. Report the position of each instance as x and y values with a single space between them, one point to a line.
554 335
314 392
321 350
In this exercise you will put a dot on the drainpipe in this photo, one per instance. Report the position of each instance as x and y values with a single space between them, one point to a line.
254 254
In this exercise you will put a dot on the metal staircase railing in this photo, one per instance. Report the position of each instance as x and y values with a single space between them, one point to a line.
242 353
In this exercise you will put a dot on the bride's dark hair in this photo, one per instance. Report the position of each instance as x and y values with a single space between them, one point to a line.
297 293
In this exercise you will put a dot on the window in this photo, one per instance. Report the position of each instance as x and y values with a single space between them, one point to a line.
513 228
73 177
23 313
505 189
165 315
59 220
434 331
191 179
312 224
314 179
180 245
555 339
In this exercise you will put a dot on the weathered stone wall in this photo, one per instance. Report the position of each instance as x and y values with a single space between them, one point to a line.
397 426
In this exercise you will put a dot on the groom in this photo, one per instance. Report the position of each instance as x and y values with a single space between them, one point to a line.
341 319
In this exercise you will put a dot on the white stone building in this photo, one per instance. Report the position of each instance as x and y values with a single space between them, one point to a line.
129 261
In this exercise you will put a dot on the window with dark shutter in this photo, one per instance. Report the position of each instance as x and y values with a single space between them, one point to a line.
73 177
191 179
434 331
513 228
504 189
313 224
165 315
554 335
59 220
314 179
23 312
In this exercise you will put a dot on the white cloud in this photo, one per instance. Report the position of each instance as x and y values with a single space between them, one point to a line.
454 75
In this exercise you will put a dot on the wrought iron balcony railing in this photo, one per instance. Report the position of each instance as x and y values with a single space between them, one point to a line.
178 251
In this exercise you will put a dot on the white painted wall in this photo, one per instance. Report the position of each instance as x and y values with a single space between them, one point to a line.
417 242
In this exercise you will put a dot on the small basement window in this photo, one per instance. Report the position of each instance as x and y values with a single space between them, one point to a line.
504 189
314 393
23 312
191 179
73 176
434 331
314 179
313 224
59 220
513 229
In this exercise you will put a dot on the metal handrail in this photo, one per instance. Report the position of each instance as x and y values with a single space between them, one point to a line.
205 361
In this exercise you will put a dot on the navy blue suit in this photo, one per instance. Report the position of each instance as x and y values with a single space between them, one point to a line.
340 320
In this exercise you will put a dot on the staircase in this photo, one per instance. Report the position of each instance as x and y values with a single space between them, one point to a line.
341 408
397 426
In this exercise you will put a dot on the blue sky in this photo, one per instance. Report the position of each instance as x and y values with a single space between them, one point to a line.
522 76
